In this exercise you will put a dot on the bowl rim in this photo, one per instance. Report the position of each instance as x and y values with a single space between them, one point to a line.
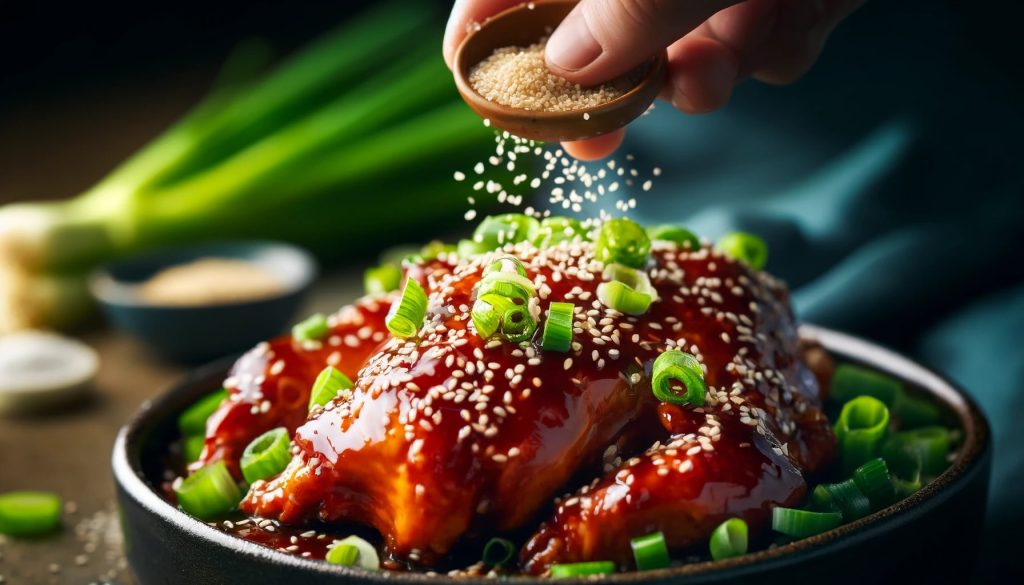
113 291
977 442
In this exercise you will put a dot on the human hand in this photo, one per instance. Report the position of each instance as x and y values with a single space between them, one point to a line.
712 46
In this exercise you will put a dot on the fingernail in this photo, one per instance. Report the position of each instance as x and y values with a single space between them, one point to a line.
572 46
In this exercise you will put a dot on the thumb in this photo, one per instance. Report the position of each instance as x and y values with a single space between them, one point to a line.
602 39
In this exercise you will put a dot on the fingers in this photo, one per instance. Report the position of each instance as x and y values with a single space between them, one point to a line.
465 13
595 148
601 39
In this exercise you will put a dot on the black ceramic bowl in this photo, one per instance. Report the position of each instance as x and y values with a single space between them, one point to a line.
203 332
932 536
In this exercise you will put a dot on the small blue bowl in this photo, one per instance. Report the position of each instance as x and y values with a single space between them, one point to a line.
201 332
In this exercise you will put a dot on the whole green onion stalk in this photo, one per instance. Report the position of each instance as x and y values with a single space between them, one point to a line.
292 155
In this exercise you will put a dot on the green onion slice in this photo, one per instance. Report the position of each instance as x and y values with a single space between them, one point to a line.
570 570
517 325
861 428
507 284
210 492
622 241
267 455
627 290
875 481
497 230
494 313
311 329
470 248
925 450
509 264
329 382
557 229
650 552
673 233
498 552
803 523
434 249
675 368
192 447
558 327
405 317
193 420
729 539
382 279
353 551
850 381
29 513
851 501
747 248
822 500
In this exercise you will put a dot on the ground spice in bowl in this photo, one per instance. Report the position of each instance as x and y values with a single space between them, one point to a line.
519 78
210 281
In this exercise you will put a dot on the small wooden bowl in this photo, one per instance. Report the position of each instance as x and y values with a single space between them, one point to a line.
524 25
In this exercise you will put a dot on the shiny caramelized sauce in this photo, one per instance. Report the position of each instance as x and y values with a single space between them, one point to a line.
449 438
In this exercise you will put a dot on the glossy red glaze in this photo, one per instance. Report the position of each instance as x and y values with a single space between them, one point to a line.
448 435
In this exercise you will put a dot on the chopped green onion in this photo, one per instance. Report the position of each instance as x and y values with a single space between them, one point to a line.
906 488
915 412
650 552
673 233
673 368
193 420
29 513
405 317
353 551
851 501
747 248
497 552
822 500
210 492
507 284
382 279
311 329
493 313
517 325
729 539
509 264
329 382
432 250
875 481
558 327
622 241
470 248
555 230
861 428
925 450
192 447
497 230
267 455
570 570
803 523
850 381
626 290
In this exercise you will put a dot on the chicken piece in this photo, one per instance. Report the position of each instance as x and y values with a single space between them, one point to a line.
448 435
269 386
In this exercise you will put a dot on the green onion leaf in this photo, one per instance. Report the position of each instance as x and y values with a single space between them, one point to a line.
557 229
626 290
558 327
729 539
875 481
192 447
850 381
266 456
570 570
673 233
193 420
497 230
925 450
803 523
507 284
650 552
508 264
382 279
353 551
329 382
29 513
498 552
747 248
822 500
675 368
851 501
311 329
405 317
622 241
517 325
209 493
861 429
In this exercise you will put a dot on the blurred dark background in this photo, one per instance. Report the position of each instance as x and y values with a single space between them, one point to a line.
926 257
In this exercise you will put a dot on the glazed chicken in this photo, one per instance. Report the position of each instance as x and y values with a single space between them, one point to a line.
448 436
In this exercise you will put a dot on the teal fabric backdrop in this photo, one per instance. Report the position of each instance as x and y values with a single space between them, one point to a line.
888 186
